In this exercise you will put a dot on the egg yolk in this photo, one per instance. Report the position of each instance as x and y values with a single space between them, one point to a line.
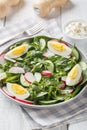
18 89
73 73
58 46
19 50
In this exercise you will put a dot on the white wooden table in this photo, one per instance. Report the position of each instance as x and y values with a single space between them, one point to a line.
75 9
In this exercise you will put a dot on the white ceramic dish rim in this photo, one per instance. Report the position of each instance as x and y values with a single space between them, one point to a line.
76 38
40 106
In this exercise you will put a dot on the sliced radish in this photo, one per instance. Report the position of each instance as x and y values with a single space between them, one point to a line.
65 43
37 76
23 81
48 53
3 75
2 59
69 56
29 77
17 99
62 85
80 80
64 78
72 91
16 70
9 59
46 73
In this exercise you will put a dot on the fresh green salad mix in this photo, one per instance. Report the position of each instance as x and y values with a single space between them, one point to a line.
42 70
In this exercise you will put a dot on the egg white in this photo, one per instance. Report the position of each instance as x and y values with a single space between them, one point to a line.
72 82
10 54
66 53
24 96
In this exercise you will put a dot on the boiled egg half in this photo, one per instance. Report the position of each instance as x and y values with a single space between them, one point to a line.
18 51
59 48
17 91
74 75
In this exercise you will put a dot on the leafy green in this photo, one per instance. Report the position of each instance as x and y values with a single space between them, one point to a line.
46 91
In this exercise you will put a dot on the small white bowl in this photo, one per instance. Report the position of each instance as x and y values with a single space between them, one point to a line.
80 42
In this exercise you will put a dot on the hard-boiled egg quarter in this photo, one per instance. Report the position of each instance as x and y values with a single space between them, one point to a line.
17 90
74 75
18 51
59 48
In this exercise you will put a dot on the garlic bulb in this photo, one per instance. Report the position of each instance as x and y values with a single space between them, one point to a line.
12 2
43 7
3 8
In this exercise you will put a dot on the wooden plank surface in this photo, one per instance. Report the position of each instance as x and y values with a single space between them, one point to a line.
79 126
22 11
74 9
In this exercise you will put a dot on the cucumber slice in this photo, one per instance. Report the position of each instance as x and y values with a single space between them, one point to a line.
76 53
41 94
2 76
50 65
47 102
83 65
37 76
23 81
42 44
19 59
1 70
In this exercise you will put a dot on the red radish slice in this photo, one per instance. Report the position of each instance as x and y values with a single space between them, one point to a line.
16 70
2 59
46 73
37 76
65 43
81 79
64 78
72 91
62 85
17 99
7 58
69 56
29 77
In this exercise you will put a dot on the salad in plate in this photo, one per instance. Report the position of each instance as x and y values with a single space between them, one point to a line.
42 71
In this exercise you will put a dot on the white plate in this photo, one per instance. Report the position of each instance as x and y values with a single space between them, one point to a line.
39 106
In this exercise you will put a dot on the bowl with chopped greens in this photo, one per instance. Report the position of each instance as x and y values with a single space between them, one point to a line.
41 72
